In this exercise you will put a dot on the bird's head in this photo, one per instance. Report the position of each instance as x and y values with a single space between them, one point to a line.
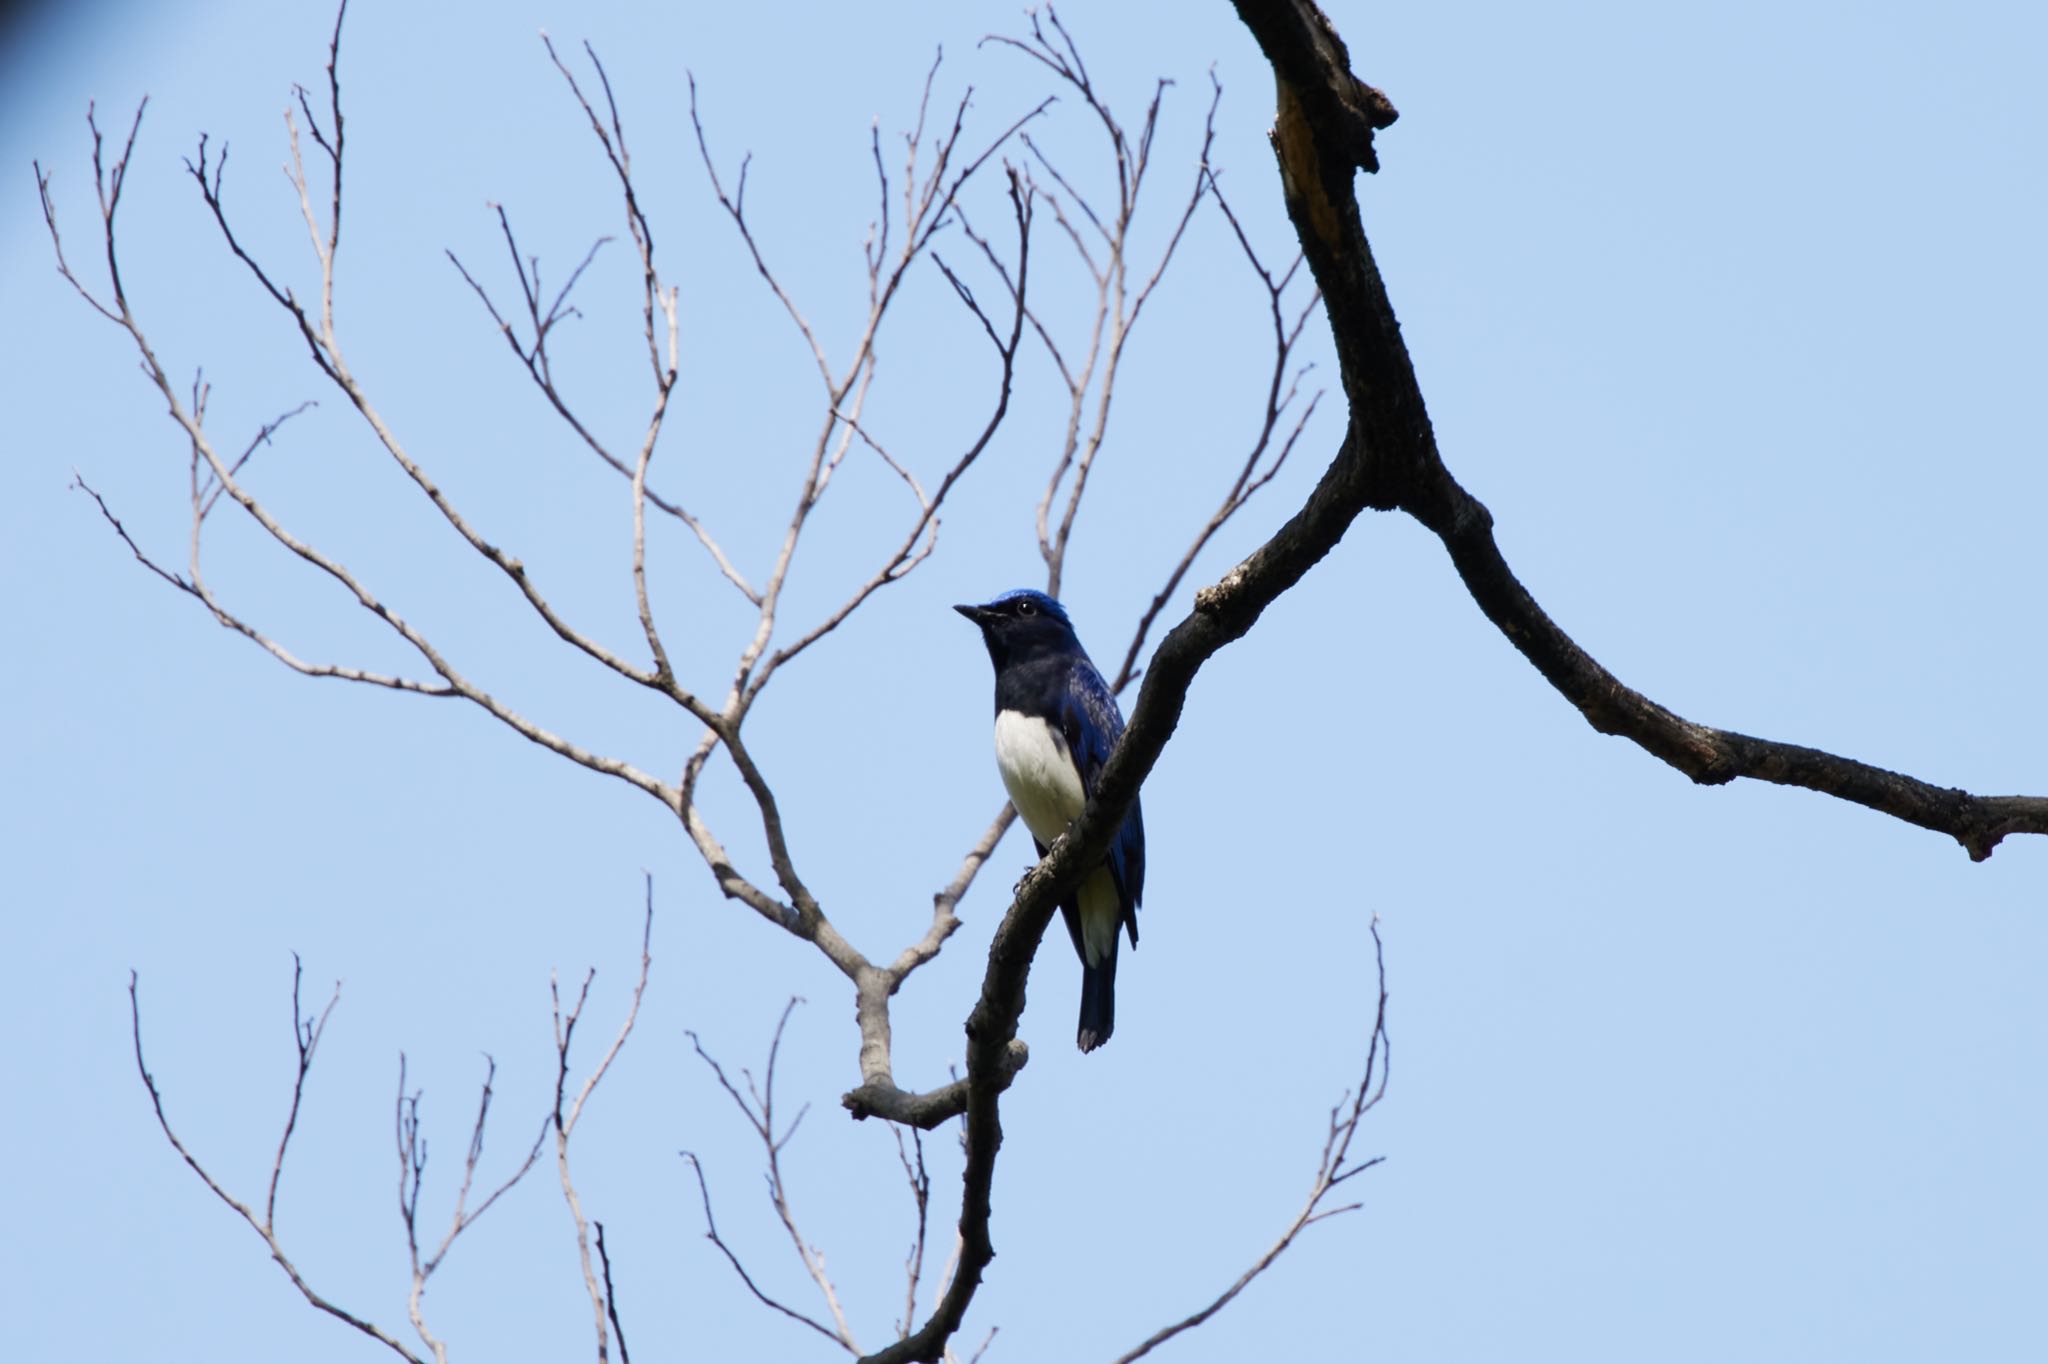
1021 623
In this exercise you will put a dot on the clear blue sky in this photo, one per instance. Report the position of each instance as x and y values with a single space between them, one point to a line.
1732 315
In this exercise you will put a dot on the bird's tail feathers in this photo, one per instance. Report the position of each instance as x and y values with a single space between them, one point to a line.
1098 1001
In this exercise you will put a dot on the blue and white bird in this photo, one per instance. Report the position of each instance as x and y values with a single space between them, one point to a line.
1056 721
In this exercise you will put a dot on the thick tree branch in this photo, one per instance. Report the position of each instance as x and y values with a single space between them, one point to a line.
1322 136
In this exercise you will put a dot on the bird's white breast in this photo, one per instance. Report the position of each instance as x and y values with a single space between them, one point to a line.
1039 774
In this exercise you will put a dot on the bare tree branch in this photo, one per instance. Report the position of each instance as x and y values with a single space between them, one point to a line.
567 1112
412 1169
1250 477
1223 613
920 1181
1388 460
908 555
1322 136
758 1107
210 490
930 196
611 1297
306 1035
1333 1169
711 1235
536 359
931 193
189 420
928 203
1090 392
878 1096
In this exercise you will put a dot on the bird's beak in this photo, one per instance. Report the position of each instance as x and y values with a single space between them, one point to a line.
974 613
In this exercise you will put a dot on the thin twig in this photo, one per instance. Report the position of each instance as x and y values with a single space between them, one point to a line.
1091 388
1250 477
711 1235
611 1296
567 1113
1334 1168
758 1107
306 1033
261 1226
920 1181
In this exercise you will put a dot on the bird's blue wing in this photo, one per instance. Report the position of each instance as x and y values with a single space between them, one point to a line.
1092 724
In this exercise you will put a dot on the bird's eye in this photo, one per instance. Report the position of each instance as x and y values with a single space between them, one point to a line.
1025 608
